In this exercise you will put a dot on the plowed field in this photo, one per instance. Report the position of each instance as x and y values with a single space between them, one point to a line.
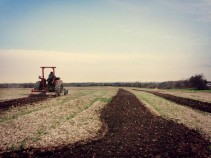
132 131
203 106
4 105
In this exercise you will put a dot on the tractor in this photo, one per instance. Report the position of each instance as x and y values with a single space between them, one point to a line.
51 86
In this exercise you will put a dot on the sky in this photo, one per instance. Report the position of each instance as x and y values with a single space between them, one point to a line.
105 40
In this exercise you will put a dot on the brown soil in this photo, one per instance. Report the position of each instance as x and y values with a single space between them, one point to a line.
20 102
203 106
133 131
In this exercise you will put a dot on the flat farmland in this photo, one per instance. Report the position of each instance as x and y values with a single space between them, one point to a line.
170 110
13 93
103 122
203 95
55 121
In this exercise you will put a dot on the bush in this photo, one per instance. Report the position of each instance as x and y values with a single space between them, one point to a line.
198 82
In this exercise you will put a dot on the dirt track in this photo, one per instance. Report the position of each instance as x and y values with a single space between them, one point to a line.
132 131
203 106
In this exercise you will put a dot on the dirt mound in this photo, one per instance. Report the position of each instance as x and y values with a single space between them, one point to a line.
132 132
203 106
20 102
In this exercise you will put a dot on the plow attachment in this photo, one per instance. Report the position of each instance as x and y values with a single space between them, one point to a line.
42 93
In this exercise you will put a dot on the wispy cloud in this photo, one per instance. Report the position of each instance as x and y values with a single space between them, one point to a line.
23 66
114 40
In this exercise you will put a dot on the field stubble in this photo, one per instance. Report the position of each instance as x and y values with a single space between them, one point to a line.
13 93
132 131
203 95
55 121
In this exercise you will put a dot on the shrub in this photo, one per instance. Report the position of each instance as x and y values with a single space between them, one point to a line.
198 82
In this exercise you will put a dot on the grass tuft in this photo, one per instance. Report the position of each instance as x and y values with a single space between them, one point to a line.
38 135
23 143
13 147
107 100
41 131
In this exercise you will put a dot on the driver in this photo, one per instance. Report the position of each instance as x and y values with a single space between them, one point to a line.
50 78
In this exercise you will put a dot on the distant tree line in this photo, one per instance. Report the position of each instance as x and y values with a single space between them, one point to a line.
16 85
194 82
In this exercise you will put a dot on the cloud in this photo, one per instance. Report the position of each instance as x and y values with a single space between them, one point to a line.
24 66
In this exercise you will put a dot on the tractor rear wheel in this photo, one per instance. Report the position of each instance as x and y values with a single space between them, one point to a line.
59 88
37 85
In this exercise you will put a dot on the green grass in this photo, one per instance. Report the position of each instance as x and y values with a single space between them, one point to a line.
72 115
82 93
107 100
60 100
157 103
13 147
64 100
21 113
188 90
38 135
81 110
23 143
35 139
69 108
41 131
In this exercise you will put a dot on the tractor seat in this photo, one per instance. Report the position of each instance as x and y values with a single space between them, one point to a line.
57 78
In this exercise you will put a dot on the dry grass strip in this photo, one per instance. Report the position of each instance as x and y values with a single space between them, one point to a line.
194 119
58 121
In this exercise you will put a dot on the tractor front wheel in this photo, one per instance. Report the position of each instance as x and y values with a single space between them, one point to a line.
59 88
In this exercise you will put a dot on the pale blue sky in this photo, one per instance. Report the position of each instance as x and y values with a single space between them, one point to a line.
127 40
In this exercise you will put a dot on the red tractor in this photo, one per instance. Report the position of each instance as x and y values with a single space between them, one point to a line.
53 85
